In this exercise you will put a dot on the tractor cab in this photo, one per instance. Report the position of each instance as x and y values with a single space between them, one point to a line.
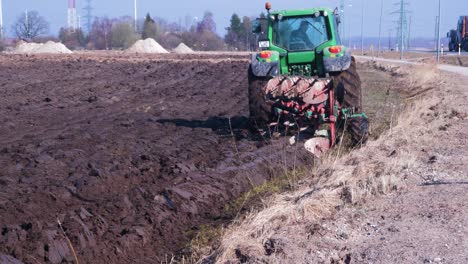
303 42
304 81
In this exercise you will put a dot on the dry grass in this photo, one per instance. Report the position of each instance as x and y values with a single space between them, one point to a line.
377 168
207 236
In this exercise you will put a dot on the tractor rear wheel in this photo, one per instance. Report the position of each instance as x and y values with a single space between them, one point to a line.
347 87
260 111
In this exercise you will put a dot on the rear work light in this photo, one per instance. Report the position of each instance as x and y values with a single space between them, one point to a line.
335 49
265 54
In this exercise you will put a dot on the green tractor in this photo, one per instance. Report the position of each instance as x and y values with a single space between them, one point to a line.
304 80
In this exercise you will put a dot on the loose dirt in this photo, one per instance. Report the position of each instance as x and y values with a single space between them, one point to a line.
182 48
148 45
130 153
38 48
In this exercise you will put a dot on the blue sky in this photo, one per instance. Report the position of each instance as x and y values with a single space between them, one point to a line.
423 12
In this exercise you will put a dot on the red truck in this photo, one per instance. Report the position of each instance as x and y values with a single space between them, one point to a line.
459 37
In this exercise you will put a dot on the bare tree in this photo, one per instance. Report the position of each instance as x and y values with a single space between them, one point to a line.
30 25
73 40
100 35
207 23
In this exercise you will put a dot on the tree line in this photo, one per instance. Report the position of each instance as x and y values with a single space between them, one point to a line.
119 33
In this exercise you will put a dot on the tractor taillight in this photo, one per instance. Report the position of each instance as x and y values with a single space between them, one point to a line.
265 54
335 49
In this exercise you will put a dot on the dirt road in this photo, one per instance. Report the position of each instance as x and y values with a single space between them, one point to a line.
445 67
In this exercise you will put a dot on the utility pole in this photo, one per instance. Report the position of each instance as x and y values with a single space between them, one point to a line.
435 32
409 35
362 28
26 22
135 14
390 40
401 29
380 26
342 19
348 32
1 20
438 36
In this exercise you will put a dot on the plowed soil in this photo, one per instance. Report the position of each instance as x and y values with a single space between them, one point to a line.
129 153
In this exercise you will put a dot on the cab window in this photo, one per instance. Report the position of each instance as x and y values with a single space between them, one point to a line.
300 33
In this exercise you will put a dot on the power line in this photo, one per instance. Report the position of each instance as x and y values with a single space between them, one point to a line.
88 15
402 25
362 28
135 14
380 27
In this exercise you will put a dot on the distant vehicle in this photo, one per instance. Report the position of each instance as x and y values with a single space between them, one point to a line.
459 36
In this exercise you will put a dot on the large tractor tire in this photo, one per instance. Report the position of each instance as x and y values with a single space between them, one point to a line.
347 87
260 111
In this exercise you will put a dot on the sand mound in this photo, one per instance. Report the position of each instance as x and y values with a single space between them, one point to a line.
27 47
148 45
182 48
37 48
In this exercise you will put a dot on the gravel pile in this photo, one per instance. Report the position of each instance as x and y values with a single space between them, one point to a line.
37 48
148 45
182 48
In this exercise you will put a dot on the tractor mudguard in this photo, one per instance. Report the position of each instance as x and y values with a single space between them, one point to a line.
337 63
265 67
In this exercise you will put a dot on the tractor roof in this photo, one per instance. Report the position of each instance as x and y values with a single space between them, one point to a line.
301 12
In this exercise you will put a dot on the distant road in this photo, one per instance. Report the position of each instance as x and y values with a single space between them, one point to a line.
443 67
446 53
